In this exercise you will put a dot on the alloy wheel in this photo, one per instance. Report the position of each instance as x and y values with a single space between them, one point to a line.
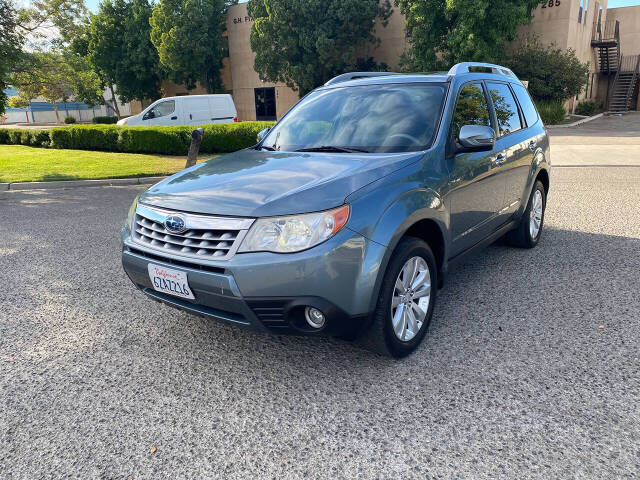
535 215
411 296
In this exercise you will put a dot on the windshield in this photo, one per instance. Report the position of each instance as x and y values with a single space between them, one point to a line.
369 118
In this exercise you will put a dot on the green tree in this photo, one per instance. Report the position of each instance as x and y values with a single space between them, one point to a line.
139 76
117 46
188 35
85 83
47 75
104 43
445 32
37 21
10 47
305 43
554 74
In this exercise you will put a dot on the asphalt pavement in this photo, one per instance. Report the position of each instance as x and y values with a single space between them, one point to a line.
530 368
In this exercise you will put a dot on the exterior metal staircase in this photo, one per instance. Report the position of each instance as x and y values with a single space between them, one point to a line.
607 41
623 73
624 84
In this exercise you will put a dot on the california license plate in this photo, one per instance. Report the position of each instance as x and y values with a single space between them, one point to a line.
168 280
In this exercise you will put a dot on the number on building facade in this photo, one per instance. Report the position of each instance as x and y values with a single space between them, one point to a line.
551 3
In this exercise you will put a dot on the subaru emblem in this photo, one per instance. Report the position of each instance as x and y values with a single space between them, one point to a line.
175 224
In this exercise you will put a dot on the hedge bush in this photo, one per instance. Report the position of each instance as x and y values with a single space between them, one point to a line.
23 136
105 119
588 108
218 138
552 112
69 119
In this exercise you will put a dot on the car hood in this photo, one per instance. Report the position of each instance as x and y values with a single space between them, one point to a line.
252 183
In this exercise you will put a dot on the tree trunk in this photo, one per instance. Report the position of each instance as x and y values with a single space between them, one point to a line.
194 148
55 107
114 101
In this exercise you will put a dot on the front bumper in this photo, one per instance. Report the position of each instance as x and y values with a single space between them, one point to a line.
269 291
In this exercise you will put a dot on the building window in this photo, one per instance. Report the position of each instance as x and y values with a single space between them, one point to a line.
265 103
580 11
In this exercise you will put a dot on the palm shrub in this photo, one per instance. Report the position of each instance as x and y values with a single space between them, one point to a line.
551 111
588 108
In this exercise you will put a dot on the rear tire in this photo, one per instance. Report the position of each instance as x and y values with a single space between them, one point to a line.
528 232
406 300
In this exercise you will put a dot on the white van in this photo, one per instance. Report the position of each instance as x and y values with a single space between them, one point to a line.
186 110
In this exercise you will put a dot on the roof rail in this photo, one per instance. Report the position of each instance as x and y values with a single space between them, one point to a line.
345 77
497 69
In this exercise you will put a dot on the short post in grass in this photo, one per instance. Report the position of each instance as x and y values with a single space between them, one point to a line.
194 148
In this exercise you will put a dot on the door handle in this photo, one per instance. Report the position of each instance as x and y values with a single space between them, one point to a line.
532 145
174 118
499 160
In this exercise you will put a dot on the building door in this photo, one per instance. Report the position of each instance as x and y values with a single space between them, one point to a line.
265 103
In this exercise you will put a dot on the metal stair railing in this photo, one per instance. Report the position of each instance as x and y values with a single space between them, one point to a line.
612 88
632 85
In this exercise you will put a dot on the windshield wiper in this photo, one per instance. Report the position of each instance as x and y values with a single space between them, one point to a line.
265 147
331 148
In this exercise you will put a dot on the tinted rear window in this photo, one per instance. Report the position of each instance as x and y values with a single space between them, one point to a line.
529 110
505 107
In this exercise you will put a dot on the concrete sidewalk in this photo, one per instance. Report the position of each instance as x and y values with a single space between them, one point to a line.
606 141
79 183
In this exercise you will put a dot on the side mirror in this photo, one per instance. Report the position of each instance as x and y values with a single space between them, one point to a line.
262 134
476 138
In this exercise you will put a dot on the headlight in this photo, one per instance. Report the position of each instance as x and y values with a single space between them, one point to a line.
132 212
294 232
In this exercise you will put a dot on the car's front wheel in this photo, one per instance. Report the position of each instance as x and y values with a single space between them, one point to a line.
406 300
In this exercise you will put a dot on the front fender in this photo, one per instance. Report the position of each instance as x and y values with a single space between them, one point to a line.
386 214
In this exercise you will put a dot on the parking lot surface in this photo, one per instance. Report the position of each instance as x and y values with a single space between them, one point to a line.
530 368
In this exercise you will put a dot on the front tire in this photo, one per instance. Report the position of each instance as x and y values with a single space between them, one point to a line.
406 300
528 232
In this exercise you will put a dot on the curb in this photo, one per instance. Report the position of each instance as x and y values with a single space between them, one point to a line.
109 182
579 122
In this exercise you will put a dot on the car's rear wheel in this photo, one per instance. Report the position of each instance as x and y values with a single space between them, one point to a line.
406 300
528 232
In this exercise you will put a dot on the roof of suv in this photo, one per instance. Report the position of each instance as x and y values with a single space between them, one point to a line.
486 70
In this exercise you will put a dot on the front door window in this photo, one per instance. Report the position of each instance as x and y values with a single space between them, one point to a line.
161 110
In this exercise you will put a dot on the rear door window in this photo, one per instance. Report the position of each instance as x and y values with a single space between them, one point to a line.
524 99
506 108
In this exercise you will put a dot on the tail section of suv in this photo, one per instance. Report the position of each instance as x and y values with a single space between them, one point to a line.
346 216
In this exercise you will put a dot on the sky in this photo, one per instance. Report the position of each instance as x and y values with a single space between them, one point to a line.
93 4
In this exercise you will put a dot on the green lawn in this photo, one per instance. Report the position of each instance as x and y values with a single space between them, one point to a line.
29 164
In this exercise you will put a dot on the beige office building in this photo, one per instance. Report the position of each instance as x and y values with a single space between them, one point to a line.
609 39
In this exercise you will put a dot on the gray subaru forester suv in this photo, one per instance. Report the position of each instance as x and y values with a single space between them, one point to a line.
348 213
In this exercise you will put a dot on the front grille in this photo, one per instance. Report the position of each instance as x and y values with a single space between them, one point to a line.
205 238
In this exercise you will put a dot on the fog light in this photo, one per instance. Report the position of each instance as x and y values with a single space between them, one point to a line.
314 317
